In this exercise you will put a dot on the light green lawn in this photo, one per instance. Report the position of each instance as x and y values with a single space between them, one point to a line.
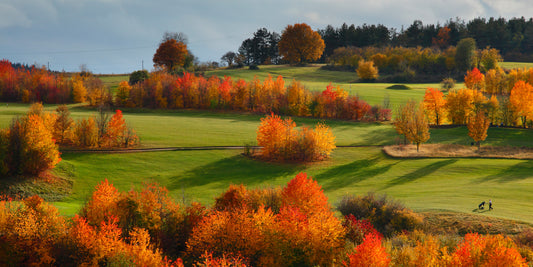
516 65
456 185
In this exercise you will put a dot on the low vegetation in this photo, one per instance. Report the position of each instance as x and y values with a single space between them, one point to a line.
280 141
292 225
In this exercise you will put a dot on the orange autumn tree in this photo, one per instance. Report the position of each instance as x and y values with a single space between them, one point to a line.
118 133
31 231
300 44
306 225
478 124
280 141
435 105
521 100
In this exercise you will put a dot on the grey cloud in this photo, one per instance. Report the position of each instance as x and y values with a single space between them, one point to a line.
117 35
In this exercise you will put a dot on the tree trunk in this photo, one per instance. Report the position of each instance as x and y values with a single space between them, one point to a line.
417 147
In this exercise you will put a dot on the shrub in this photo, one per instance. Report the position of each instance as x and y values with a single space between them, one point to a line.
478 250
387 216
399 87
367 71
417 249
447 84
370 253
282 142
356 230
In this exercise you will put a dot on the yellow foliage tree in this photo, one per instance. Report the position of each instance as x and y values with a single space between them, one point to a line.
434 104
367 71
460 104
412 123
478 124
79 92
521 100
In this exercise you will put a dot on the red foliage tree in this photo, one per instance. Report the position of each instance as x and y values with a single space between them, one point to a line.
475 80
370 253
170 54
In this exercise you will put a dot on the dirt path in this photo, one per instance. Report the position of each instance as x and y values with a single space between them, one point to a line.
158 149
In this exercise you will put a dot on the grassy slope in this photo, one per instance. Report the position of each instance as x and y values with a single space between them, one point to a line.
423 184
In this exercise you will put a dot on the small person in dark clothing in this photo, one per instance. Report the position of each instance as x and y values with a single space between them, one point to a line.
490 204
481 206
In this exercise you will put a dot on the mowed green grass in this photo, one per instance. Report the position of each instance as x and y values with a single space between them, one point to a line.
456 185
516 65
422 184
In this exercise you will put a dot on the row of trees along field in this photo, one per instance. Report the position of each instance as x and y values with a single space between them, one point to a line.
29 146
471 106
163 90
509 103
512 37
290 226
34 84
403 64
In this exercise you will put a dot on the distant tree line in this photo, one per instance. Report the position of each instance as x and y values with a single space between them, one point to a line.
513 38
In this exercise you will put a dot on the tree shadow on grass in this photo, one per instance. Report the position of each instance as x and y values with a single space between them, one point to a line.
351 173
419 173
519 171
237 169
381 136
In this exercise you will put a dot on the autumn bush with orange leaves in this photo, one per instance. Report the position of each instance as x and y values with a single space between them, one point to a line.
281 141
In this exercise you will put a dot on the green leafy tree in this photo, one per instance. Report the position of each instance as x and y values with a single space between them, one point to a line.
465 54
138 76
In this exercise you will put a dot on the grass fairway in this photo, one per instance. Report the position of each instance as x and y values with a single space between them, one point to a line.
456 185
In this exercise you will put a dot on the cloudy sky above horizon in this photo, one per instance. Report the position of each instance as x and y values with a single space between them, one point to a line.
117 36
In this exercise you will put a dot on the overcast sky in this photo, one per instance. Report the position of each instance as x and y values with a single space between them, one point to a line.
116 36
